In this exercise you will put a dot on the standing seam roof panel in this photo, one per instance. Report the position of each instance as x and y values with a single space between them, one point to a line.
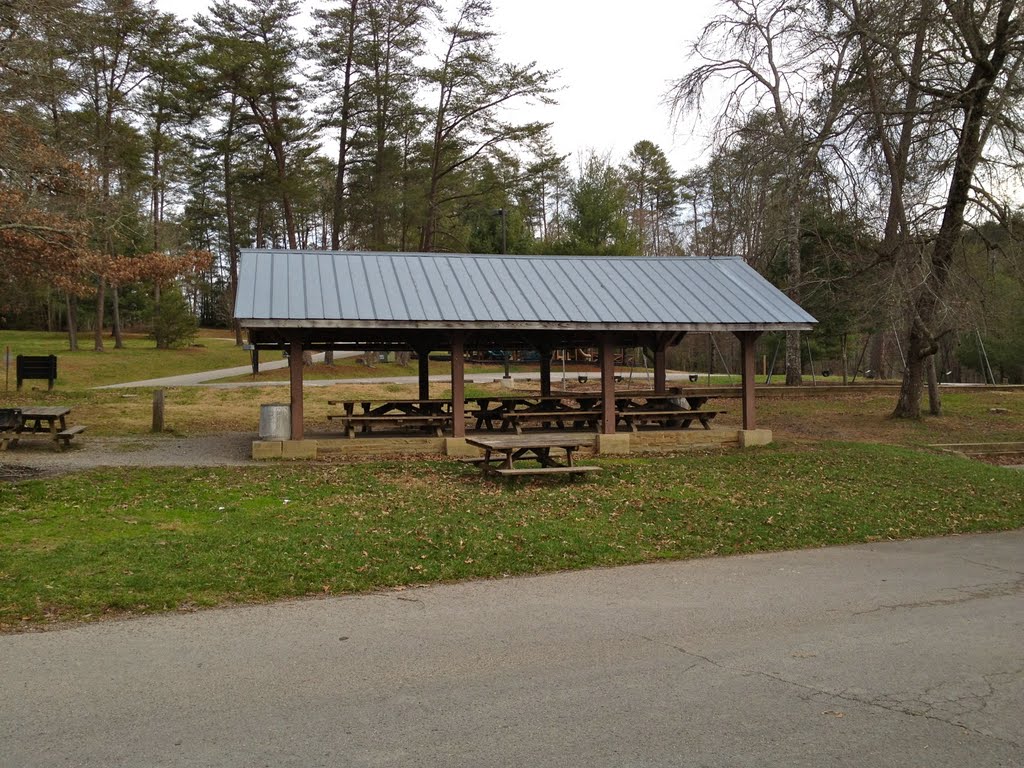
313 287
725 309
655 292
591 291
739 299
280 288
407 287
429 301
328 286
777 302
671 280
375 271
392 287
262 273
504 305
629 292
523 273
560 306
345 289
445 305
336 286
469 274
472 292
737 288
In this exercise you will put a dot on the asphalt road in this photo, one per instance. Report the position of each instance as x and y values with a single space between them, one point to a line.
894 654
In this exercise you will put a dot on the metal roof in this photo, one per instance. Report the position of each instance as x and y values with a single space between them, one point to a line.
325 289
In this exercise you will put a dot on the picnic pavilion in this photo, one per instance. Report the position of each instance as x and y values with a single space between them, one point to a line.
311 300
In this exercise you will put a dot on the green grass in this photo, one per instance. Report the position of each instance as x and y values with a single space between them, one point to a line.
118 542
140 359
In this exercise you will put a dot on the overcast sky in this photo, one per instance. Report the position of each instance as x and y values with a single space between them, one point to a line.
615 62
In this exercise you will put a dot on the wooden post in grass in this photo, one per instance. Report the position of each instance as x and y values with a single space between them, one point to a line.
158 410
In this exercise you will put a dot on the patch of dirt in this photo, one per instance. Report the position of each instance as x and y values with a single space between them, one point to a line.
1001 459
225 449
12 473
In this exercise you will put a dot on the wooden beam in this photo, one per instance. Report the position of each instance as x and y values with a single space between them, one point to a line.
295 371
660 364
607 385
545 372
458 384
423 358
748 363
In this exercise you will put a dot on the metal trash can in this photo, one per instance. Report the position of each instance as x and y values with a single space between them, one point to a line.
275 421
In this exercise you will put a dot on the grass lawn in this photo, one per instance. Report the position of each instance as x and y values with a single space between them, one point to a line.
140 359
116 542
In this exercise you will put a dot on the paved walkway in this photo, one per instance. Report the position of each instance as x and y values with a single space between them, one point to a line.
202 377
893 654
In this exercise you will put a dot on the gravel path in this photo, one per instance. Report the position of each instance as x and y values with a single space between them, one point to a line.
31 458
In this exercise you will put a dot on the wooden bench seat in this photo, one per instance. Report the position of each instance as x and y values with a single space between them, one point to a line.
632 418
545 471
436 421
516 419
65 435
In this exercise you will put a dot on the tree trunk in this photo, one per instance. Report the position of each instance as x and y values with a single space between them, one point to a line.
116 317
908 405
968 153
100 300
72 306
338 218
934 398
229 217
794 364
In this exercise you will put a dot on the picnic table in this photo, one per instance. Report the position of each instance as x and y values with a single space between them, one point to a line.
633 408
501 451
662 409
511 412
429 415
34 421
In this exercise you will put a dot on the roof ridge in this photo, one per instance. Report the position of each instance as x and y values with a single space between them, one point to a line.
440 255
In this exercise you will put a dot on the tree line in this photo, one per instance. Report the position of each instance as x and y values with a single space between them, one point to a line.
864 159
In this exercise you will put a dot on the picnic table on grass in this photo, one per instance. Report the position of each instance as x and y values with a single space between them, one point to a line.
501 452
49 421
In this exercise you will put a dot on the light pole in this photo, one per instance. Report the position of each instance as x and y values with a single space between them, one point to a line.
501 212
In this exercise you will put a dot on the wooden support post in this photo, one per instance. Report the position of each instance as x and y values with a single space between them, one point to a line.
458 385
607 386
158 410
748 341
255 361
295 371
423 358
660 356
545 372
